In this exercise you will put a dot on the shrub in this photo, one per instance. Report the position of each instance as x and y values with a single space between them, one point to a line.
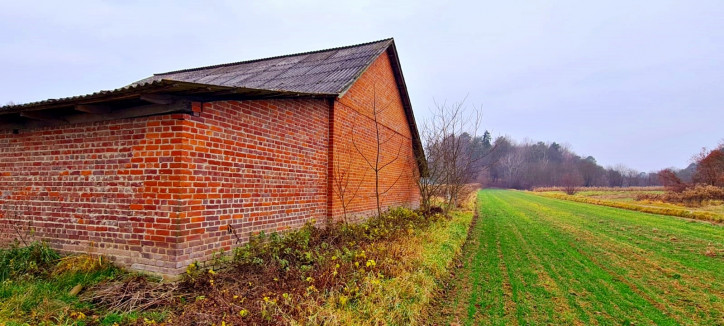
692 196
671 181
27 262
571 181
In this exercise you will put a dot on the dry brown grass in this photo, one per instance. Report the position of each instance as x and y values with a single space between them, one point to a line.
680 212
133 294
84 263
563 189
693 196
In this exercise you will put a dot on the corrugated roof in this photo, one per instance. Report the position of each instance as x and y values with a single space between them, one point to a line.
324 73
329 71
53 101
163 86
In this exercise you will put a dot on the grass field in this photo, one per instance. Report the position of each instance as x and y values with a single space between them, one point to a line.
536 260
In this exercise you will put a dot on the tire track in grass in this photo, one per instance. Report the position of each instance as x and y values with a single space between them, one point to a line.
529 300
692 238
532 295
654 285
563 271
460 285
618 300
677 294
488 282
508 299
554 302
491 299
649 279
522 292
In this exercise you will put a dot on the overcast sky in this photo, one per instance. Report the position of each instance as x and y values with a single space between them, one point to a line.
639 83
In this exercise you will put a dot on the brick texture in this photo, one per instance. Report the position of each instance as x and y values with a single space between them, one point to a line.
102 188
255 166
372 101
158 193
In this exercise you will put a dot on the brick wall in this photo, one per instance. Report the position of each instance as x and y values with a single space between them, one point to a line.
255 165
158 193
104 187
373 101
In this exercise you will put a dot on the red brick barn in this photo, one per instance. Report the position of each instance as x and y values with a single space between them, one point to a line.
176 166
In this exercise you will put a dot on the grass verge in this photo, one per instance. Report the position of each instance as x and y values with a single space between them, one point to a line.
38 287
404 299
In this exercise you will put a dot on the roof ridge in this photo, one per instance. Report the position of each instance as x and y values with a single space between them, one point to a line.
274 57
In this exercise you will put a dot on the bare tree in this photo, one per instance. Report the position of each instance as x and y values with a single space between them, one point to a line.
451 161
343 180
378 160
432 179
571 181
710 167
513 164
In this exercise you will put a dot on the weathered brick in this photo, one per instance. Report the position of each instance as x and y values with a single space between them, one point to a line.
157 193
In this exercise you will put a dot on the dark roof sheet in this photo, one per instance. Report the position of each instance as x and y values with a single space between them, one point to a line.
163 86
329 71
318 73
323 73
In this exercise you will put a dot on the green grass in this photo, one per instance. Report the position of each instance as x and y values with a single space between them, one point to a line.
35 286
46 300
536 260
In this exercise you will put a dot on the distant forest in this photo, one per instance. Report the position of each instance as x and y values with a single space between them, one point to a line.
505 163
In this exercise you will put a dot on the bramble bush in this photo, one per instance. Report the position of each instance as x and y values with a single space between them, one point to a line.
692 196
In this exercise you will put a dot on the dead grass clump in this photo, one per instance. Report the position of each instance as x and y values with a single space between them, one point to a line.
84 263
711 251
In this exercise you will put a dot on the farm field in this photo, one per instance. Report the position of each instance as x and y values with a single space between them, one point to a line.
536 260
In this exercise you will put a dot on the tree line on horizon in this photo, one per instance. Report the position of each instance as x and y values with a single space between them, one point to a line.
456 153
527 165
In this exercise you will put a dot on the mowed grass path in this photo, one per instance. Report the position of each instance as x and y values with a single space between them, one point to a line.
535 260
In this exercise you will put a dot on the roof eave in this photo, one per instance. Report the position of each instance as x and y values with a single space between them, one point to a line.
156 98
164 86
